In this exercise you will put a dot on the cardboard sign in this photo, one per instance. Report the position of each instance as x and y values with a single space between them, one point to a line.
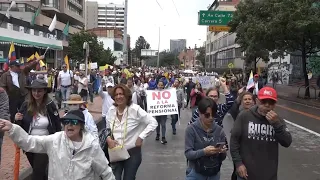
162 102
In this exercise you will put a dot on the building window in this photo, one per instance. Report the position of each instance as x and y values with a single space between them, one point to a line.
238 52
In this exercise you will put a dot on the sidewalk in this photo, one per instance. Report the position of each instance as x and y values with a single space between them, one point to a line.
290 93
8 150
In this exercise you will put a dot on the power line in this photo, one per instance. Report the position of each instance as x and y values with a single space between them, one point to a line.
159 4
174 4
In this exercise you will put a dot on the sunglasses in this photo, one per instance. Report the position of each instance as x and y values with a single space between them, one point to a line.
207 115
73 122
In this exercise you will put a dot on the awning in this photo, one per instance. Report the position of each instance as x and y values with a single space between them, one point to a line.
25 43
28 40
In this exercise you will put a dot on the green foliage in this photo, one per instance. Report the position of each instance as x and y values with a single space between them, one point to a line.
202 55
291 26
141 43
314 65
168 59
106 58
97 52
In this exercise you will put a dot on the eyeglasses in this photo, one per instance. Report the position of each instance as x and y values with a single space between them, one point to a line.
73 122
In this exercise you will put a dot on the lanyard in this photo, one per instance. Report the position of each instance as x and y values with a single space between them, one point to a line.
125 128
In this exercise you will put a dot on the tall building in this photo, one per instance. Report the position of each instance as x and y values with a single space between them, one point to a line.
177 45
104 15
30 38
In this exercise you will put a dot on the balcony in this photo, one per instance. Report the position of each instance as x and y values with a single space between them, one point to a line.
76 3
51 6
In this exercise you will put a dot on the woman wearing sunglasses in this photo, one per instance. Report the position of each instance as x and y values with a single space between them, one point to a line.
39 116
205 144
73 153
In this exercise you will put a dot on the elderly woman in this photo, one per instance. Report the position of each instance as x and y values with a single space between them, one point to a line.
129 125
205 144
39 116
74 153
75 103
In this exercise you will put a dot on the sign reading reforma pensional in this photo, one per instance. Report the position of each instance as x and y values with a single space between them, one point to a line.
218 18
162 102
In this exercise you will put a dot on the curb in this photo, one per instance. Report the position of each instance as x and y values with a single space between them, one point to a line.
300 101
26 174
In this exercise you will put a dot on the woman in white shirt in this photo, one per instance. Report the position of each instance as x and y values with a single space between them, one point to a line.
129 125
83 86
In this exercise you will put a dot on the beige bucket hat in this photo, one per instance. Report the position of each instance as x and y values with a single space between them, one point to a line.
74 99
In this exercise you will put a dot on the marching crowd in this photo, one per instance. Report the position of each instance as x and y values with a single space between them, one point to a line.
245 127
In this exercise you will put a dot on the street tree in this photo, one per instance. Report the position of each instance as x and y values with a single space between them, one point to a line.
106 58
202 55
75 50
141 43
168 59
287 26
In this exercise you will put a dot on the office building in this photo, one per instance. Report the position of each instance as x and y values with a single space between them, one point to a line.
104 15
177 45
31 38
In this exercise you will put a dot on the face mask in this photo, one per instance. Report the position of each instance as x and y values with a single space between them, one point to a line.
73 107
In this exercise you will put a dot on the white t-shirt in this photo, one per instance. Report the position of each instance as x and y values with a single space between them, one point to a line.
64 77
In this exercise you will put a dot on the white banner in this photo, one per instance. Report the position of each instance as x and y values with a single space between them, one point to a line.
162 102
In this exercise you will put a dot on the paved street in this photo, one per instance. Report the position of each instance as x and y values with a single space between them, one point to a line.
300 161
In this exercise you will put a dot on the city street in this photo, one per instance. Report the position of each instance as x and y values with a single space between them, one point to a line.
300 161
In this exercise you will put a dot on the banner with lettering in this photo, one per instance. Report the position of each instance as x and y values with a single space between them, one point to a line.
162 102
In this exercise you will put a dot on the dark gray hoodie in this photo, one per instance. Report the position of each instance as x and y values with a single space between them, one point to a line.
254 143
194 146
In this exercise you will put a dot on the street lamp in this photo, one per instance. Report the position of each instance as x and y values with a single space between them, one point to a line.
87 50
158 60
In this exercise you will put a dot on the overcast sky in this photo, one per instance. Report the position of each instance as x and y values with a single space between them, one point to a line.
145 17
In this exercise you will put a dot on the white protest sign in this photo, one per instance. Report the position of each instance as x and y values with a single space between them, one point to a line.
162 102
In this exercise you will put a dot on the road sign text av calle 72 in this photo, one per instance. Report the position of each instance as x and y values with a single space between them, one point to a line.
218 18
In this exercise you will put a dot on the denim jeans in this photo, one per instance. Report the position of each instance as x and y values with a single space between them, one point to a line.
193 175
1 140
174 120
161 122
129 166
65 93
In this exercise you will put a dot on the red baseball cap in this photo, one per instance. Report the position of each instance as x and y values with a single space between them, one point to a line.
256 75
267 93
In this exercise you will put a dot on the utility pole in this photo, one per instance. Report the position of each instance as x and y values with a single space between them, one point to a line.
125 36
158 60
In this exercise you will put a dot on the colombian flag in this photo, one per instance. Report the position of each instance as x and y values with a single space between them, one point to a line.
11 56
12 53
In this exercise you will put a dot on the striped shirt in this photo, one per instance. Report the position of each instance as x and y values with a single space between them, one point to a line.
221 110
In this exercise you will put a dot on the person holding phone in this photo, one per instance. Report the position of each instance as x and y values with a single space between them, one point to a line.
205 144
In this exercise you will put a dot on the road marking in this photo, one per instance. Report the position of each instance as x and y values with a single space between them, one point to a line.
300 112
300 104
303 128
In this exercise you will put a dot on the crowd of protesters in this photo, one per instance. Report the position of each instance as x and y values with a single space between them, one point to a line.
244 126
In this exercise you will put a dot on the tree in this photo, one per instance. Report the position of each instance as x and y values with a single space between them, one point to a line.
279 27
202 55
314 65
168 59
141 43
97 52
106 58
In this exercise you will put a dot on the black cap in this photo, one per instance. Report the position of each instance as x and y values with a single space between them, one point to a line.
14 63
74 115
38 84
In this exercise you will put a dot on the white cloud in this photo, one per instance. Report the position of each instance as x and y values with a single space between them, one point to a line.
145 17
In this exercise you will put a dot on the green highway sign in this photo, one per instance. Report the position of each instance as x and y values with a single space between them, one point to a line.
217 18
